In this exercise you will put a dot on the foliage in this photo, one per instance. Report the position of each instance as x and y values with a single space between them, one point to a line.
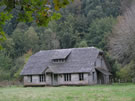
9 46
16 70
40 11
5 61
5 66
19 64
127 72
27 56
82 44
4 16
25 37
48 40
99 29
83 24
121 41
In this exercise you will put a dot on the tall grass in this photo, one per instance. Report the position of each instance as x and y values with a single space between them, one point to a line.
115 92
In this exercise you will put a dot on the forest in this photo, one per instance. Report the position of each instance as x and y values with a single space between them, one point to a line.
105 24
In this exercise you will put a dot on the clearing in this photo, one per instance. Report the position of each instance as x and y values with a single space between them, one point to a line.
115 92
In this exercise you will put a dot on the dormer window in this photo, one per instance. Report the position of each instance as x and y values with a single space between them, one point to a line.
60 56
59 60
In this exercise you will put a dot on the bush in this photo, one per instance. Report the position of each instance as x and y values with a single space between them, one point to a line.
127 72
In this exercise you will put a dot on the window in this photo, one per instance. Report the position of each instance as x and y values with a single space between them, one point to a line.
42 78
30 78
95 63
59 60
67 77
93 75
101 61
81 76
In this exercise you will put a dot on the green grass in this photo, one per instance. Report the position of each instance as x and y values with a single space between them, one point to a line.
116 92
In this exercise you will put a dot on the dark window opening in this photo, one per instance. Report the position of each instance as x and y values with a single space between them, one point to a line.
42 78
101 61
95 64
30 78
81 76
67 77
59 60
93 75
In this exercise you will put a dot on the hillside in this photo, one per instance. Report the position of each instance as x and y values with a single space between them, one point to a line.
83 23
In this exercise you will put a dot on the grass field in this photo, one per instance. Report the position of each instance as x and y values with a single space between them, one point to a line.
122 92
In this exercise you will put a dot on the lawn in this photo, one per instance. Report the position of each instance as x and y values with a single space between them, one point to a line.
116 92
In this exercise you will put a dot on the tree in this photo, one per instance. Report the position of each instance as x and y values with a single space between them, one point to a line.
100 8
99 30
40 11
8 46
5 66
82 44
127 72
25 38
18 66
31 40
48 40
121 42
83 23
74 8
5 61
18 38
122 38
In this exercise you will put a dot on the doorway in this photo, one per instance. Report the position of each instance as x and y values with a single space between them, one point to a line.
100 77
54 79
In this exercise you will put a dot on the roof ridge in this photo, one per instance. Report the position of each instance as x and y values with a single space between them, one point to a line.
69 49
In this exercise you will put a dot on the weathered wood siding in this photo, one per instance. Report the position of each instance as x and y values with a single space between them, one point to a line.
74 80
88 79
100 62
36 81
93 78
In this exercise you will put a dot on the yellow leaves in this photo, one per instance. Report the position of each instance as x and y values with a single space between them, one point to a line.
2 37
37 21
60 3
39 10
4 16
56 4
56 8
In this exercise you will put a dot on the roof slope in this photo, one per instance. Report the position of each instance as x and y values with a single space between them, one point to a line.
61 54
79 60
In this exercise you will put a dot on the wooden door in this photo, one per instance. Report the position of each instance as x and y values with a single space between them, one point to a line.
55 79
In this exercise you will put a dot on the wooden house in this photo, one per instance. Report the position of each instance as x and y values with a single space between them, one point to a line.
74 66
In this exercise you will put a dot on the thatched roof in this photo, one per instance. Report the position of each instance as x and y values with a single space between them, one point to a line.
77 60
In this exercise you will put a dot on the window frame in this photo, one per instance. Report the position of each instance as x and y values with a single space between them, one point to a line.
81 76
58 60
29 78
42 78
93 76
67 77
